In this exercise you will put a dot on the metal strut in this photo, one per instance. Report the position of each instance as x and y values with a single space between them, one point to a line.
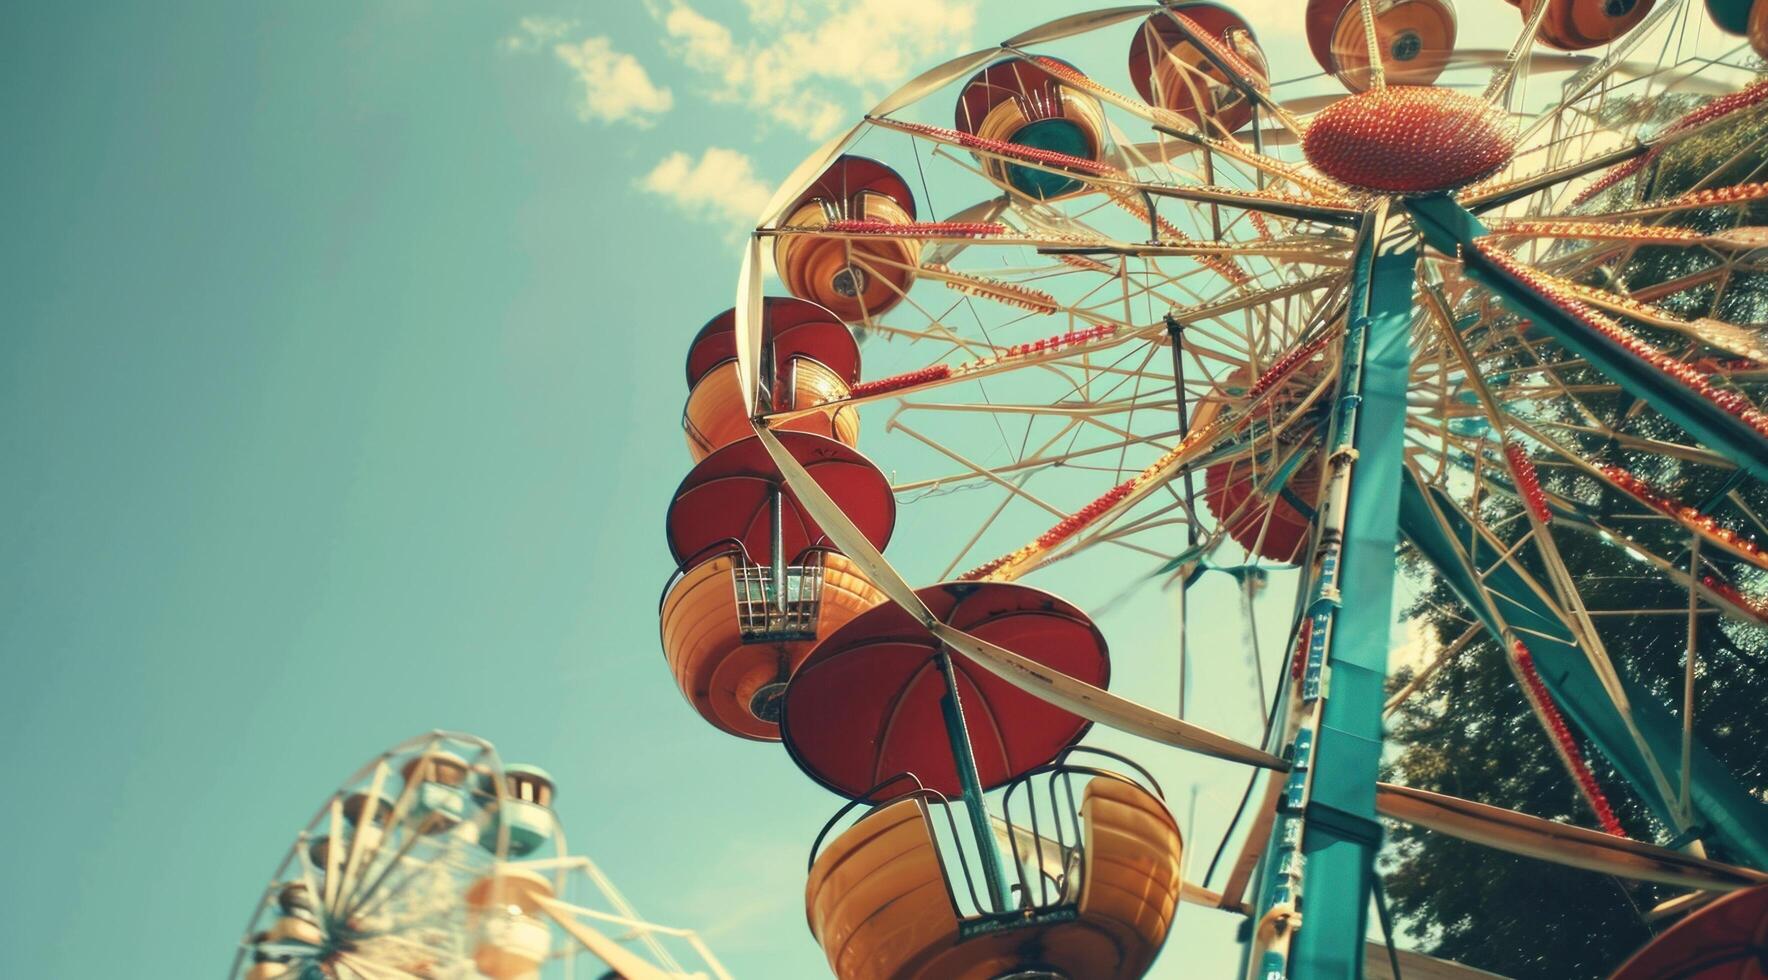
1175 332
965 759
1326 833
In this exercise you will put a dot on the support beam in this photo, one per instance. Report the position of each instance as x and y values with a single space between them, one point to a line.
1319 869
1734 817
1342 833
1450 228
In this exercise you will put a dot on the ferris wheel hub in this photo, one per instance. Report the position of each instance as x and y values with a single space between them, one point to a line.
1409 140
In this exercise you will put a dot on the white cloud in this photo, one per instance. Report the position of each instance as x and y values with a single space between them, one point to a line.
616 88
767 11
532 32
720 187
802 50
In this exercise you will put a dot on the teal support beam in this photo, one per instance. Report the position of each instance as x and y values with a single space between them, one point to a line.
1736 819
1342 833
1450 228
975 805
1318 869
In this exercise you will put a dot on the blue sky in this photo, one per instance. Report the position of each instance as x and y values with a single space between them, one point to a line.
340 387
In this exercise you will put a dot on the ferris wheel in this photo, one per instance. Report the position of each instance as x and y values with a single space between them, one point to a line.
1175 315
436 860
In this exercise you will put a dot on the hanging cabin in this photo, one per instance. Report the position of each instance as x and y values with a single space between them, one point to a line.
510 939
871 699
1095 883
1268 498
757 584
815 362
524 821
1578 25
856 278
1022 103
1415 38
370 831
1170 70
1088 877
268 961
437 782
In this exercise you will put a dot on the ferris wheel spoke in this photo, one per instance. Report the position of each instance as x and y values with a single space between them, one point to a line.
1421 677
359 841
1724 420
977 471
1060 348
1558 843
1073 80
1318 199
1297 251
1041 459
1525 597
334 854
355 886
1326 212
1504 73
352 897
1108 507
1714 590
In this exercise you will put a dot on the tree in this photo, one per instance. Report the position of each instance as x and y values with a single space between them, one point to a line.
1470 733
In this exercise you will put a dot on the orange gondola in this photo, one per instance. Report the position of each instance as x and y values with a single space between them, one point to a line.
1023 103
1171 71
735 623
815 361
854 278
1097 887
1574 25
1415 38
732 649
511 940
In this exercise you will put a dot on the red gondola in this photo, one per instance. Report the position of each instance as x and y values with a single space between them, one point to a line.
1274 527
727 499
1020 102
867 703
815 360
1727 940
1274 524
735 622
1415 38
1168 70
1574 25
854 279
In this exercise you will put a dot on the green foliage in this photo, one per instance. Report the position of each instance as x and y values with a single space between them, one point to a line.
1469 731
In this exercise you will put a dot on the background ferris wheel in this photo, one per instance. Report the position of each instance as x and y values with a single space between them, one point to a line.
437 860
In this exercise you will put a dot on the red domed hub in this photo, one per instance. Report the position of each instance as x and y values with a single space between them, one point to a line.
1409 140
